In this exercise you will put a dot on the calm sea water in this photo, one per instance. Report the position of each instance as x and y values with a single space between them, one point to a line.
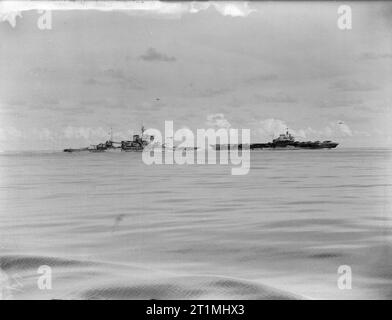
111 227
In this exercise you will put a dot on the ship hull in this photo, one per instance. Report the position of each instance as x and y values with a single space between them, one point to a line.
113 150
75 150
296 146
133 149
276 146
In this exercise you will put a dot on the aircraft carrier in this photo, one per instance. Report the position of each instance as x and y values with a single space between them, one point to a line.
285 141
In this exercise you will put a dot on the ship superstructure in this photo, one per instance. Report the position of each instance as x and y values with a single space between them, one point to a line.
138 143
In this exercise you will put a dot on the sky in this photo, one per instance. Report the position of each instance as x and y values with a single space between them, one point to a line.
259 65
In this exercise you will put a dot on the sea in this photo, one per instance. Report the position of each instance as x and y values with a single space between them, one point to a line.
302 224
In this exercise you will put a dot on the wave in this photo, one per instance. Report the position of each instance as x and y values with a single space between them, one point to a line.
107 281
192 287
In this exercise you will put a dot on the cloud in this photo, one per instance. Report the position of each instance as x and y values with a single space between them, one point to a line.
233 9
381 106
342 102
334 129
9 16
14 134
86 133
218 120
269 128
113 76
352 85
278 97
272 127
153 55
11 9
261 78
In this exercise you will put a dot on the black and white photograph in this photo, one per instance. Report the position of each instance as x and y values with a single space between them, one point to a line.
195 150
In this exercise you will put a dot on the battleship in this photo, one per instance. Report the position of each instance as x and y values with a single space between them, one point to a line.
138 143
285 141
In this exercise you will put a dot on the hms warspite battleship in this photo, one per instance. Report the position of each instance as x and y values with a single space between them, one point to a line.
138 143
284 141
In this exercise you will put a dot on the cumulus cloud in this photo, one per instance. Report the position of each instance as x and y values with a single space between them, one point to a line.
13 134
87 133
269 128
233 9
272 127
11 9
217 121
9 16
153 55
46 138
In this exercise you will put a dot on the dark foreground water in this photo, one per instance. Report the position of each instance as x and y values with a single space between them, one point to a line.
111 227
